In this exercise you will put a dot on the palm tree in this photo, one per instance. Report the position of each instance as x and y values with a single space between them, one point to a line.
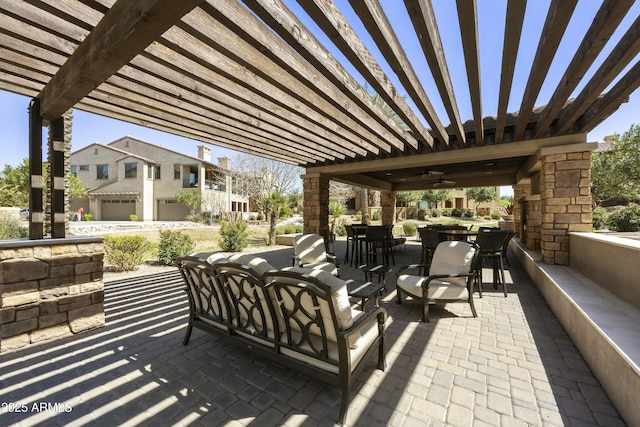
272 203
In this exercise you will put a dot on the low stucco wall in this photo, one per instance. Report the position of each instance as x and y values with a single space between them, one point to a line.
49 289
602 326
610 261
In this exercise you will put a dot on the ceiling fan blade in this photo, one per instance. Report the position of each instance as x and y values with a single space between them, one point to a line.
443 182
428 172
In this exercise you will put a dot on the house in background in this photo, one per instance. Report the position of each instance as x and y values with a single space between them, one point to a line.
133 177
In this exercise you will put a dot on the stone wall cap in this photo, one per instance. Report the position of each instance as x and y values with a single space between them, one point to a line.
28 243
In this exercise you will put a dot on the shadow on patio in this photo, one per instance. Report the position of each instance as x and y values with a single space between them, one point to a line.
513 365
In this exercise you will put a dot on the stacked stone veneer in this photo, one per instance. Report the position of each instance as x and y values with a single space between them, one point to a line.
388 207
49 289
316 204
565 202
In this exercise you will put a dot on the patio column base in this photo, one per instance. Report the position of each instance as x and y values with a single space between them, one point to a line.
49 289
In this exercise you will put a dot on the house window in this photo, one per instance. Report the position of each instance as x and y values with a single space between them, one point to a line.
157 172
103 172
176 171
74 170
130 170
149 171
84 168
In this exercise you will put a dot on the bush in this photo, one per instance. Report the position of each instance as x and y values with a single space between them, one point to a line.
133 217
340 228
285 212
234 236
289 229
446 212
496 215
12 229
599 217
435 213
376 216
625 219
87 217
422 213
260 216
172 245
409 228
456 212
468 213
125 253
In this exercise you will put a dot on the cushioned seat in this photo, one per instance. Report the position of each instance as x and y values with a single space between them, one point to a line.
450 277
309 251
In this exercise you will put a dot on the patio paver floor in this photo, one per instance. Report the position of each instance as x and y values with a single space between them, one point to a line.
512 365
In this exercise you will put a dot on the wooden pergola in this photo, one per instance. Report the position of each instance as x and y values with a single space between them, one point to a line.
251 76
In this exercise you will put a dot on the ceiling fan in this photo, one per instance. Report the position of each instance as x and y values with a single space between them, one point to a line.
440 182
428 172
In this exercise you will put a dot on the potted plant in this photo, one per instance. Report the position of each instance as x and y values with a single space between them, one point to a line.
508 212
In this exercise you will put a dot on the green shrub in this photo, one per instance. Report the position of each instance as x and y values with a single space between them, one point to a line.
125 253
234 236
376 216
496 215
599 217
260 216
409 228
468 213
446 212
435 213
285 212
87 217
173 244
422 213
289 229
133 217
456 212
12 229
340 228
625 219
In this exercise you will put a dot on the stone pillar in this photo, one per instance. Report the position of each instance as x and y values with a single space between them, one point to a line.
566 202
316 204
388 203
520 191
49 289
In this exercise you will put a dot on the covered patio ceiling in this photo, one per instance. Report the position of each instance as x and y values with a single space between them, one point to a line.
251 76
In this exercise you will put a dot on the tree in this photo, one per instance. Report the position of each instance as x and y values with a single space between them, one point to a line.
482 195
190 197
258 177
615 172
14 185
436 196
406 198
273 203
76 187
336 209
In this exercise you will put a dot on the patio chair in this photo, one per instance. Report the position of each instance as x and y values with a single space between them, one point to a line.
430 239
309 251
450 277
491 244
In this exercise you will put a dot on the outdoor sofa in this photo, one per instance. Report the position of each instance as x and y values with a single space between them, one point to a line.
300 318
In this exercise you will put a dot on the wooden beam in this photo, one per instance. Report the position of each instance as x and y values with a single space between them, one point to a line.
621 55
245 27
327 16
123 33
293 31
468 18
555 25
375 20
604 24
611 101
424 23
512 33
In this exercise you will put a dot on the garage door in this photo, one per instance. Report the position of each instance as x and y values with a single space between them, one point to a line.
169 210
118 210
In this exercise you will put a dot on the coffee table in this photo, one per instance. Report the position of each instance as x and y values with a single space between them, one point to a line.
363 290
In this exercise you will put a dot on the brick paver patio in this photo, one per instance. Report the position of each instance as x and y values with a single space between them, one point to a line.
512 366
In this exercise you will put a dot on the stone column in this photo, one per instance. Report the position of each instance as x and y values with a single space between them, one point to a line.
388 203
520 191
316 204
565 202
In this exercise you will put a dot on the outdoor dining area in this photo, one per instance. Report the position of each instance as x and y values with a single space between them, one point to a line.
513 364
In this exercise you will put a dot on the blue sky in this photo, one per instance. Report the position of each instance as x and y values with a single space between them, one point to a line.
89 128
